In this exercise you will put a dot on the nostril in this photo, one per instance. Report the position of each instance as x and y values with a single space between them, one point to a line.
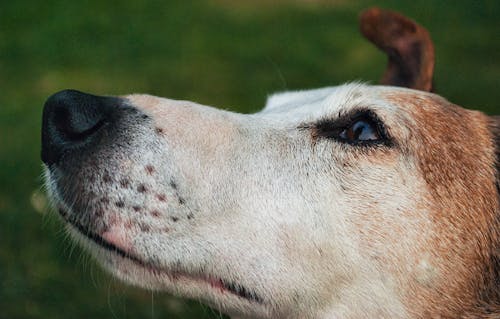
71 119
75 126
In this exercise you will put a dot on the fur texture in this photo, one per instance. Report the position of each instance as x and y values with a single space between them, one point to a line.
254 216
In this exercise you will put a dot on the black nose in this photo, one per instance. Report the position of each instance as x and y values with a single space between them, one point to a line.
70 121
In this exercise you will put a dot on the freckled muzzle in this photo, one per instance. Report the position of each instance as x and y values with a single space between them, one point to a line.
133 185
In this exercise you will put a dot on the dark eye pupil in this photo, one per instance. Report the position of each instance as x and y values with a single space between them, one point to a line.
361 130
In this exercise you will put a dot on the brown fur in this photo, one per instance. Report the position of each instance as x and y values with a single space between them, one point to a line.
455 150
463 178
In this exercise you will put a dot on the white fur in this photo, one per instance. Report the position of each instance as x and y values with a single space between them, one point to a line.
318 229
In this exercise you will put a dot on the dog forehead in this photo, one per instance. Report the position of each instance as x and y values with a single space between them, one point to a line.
332 101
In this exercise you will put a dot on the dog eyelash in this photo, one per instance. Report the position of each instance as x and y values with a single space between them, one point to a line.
358 128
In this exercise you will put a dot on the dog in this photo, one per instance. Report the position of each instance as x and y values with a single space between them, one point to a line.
353 201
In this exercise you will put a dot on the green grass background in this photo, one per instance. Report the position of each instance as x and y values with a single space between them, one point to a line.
229 54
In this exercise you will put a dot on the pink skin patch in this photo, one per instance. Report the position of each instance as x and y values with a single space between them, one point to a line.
117 235
217 284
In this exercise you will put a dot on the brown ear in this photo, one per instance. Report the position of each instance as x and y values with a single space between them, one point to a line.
407 44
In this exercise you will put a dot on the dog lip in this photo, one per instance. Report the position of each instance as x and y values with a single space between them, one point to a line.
217 283
99 240
241 291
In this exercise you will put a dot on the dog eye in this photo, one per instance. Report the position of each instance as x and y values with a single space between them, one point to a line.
362 130
357 128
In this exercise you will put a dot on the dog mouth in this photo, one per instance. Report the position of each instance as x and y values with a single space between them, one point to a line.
215 283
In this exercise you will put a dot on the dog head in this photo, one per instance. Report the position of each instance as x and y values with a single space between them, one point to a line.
347 201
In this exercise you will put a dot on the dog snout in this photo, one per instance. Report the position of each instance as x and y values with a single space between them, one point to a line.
71 119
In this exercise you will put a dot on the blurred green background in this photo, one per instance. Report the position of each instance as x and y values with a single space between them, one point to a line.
229 54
